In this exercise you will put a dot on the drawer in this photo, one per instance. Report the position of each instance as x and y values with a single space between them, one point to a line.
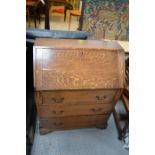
73 110
77 97
74 122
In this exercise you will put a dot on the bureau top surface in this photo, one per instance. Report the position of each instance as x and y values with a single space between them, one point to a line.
76 44
61 64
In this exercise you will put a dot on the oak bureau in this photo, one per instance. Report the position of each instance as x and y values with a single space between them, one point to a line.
76 82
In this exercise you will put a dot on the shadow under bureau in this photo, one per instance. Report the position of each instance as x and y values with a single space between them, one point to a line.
77 82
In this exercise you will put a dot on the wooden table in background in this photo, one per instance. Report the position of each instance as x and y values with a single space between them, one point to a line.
48 3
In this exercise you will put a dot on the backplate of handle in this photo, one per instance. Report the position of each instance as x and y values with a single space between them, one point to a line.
99 110
57 100
58 124
57 112
101 97
96 109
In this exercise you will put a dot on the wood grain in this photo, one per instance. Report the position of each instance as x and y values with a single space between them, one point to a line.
73 110
77 97
77 83
79 69
75 44
73 122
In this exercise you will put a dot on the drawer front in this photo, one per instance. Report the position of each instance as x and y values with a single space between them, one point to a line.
77 97
73 110
74 122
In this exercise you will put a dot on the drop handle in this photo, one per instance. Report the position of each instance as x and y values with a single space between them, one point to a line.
101 97
57 112
57 100
96 110
58 124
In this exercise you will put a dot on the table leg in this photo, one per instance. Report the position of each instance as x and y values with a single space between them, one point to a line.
47 22
117 124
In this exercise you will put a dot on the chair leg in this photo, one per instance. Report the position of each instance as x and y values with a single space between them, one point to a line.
65 14
39 15
78 18
78 24
70 21
35 18
39 18
118 126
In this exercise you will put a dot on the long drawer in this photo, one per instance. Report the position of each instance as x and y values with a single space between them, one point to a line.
74 122
76 97
73 110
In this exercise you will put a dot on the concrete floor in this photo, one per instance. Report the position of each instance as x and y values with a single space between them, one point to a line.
90 141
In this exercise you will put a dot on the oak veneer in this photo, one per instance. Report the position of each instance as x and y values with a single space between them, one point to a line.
77 83
78 97
64 123
73 110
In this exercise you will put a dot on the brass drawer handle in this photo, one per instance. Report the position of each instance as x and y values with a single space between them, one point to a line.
101 97
57 100
96 110
58 124
57 112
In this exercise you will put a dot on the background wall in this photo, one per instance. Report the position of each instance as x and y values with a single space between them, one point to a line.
107 19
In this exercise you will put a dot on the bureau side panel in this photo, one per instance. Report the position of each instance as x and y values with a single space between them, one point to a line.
37 67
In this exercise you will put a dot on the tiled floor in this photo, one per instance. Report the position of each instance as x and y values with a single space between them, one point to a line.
57 22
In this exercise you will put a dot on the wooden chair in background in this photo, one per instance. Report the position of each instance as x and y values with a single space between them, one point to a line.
31 10
120 116
75 13
125 100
